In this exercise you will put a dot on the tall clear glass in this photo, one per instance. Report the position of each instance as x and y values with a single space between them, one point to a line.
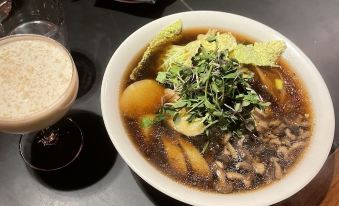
61 139
42 17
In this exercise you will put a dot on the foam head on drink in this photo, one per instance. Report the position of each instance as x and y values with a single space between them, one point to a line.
38 82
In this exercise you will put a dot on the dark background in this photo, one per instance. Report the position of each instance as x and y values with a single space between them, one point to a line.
96 28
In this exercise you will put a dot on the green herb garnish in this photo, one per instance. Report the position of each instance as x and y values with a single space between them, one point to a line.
215 89
149 120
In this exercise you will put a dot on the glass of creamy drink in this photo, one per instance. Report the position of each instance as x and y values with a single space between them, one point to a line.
39 83
42 17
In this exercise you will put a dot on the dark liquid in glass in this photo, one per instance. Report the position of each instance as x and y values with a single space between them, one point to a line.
56 146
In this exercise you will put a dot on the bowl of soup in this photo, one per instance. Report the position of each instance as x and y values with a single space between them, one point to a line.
213 108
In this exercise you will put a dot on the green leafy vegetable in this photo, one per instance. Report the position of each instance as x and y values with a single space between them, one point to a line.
149 120
208 41
259 54
179 55
161 77
169 34
215 41
225 42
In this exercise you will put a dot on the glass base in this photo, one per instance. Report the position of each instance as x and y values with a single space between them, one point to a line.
52 148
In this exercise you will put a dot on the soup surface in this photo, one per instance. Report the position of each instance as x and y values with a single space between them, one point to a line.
228 147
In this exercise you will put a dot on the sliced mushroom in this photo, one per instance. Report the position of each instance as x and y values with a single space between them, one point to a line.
297 147
244 166
269 135
225 155
280 129
289 134
241 141
259 167
221 185
274 123
260 122
234 176
231 149
227 137
261 125
305 124
226 151
220 174
237 176
299 119
285 141
277 168
247 182
275 141
264 138
219 164
283 152
304 134
244 154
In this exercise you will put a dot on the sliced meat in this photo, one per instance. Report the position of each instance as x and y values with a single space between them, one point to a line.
175 155
196 160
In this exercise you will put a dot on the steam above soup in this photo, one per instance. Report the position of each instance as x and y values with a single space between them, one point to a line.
216 111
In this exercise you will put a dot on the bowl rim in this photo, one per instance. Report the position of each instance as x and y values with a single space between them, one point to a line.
175 194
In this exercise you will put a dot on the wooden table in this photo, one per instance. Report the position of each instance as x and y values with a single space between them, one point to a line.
324 188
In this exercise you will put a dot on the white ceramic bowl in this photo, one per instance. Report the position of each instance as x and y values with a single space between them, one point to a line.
304 171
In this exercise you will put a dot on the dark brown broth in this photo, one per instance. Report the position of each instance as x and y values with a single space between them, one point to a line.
297 104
